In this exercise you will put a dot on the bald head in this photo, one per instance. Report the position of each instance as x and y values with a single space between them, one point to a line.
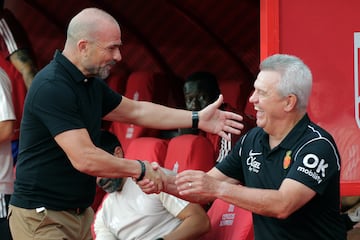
93 42
89 24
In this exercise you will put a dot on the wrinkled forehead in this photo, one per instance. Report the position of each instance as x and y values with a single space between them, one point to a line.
267 79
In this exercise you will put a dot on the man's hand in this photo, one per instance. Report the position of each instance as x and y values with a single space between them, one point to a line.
149 186
196 184
153 179
214 120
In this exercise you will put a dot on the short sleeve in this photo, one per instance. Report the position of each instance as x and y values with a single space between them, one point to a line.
57 109
173 204
315 164
6 104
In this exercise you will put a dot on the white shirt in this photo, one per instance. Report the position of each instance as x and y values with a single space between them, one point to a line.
6 113
132 214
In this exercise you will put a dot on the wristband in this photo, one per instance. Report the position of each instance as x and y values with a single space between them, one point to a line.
143 170
195 119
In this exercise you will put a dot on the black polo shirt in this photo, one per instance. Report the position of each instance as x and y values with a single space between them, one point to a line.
308 155
61 98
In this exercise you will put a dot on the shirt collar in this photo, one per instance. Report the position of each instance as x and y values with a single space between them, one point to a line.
292 137
75 73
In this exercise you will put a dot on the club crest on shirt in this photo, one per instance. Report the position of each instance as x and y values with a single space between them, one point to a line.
287 159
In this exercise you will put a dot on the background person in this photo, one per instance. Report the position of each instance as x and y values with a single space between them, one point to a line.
7 120
200 89
17 59
60 129
128 213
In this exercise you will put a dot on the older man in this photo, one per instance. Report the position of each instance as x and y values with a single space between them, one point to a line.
286 170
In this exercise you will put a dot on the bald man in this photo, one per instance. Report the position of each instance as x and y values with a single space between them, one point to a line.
58 158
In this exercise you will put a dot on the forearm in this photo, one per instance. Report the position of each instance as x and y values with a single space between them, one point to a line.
259 201
24 63
150 115
7 130
97 162
192 228
89 159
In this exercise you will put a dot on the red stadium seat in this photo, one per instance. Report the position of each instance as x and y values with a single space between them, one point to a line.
235 92
147 148
141 86
189 152
229 222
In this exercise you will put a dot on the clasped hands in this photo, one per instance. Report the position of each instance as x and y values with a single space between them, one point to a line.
188 184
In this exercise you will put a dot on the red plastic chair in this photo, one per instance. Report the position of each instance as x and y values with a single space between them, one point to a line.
147 148
189 152
229 222
141 86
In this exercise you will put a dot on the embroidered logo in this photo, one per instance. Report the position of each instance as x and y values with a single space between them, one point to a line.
254 166
287 159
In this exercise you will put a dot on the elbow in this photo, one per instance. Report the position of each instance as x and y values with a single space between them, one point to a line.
84 160
282 215
82 164
205 226
283 212
280 211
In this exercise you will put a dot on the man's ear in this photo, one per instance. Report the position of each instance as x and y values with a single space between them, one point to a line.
118 152
291 102
83 45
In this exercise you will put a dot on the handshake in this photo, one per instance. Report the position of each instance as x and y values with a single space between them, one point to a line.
192 185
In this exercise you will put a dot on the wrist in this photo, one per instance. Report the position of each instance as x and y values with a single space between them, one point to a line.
143 171
195 119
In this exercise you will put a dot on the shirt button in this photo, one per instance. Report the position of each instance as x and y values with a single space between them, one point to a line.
85 80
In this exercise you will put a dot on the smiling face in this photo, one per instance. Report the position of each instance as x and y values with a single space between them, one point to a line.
93 42
267 101
103 53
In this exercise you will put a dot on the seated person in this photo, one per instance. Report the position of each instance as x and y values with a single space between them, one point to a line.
201 89
128 213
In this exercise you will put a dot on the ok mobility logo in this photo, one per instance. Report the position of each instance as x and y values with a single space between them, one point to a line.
313 167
